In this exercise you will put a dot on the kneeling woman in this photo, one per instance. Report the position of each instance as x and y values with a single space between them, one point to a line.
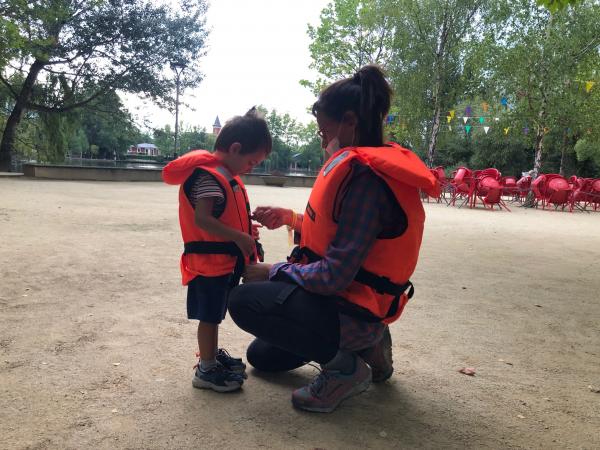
359 243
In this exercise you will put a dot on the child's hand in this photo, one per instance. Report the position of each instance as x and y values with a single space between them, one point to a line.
246 243
255 232
272 217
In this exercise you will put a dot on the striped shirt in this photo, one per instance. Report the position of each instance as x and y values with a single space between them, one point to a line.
202 184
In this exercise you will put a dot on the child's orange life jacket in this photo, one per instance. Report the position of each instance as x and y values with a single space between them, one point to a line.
382 283
204 253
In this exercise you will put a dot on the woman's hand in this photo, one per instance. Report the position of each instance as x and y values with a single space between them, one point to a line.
272 217
256 272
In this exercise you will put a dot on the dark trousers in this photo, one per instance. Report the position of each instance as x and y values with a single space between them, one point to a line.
292 326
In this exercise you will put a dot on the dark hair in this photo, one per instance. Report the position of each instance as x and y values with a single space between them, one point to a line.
368 94
250 130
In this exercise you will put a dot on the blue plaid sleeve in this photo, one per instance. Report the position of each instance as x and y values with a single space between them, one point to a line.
358 226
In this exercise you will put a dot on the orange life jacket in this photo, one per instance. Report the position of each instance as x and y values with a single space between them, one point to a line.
382 286
204 253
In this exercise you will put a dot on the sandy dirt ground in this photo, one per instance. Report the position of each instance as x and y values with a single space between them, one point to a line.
96 350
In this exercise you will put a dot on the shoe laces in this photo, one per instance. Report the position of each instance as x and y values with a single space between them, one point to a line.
319 382
222 351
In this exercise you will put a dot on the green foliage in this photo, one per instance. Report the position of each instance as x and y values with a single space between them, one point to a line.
444 56
556 5
64 55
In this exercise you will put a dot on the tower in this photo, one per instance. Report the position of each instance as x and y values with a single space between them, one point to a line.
216 126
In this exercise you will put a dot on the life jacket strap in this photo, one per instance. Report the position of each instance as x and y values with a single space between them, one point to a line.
219 248
381 285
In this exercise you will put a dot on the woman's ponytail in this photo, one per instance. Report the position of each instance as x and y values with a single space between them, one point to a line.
367 94
375 99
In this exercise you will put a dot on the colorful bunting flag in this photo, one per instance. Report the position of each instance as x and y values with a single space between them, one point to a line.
465 119
504 101
468 110
496 119
481 119
468 128
486 129
452 113
485 106
506 130
589 85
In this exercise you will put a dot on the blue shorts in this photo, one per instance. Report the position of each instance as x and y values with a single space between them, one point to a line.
207 298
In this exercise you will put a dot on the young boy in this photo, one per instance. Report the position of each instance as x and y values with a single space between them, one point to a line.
214 215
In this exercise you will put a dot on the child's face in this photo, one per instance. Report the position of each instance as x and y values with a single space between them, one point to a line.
239 164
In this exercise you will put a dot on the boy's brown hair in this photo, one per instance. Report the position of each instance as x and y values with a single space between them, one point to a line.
250 130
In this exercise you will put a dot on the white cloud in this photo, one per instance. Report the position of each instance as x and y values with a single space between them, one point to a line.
257 54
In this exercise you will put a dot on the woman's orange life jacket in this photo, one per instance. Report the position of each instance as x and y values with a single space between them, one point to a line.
381 284
204 253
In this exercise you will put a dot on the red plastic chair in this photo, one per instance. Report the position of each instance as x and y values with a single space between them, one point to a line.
552 189
523 188
488 189
440 174
509 187
462 186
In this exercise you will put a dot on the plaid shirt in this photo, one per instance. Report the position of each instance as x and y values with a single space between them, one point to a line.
366 211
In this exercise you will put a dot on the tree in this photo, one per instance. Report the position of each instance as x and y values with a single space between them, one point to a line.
352 33
535 59
422 45
65 54
431 50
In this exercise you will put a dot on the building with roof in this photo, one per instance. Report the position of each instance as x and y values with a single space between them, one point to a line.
143 149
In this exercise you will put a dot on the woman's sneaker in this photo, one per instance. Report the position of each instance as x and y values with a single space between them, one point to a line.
379 357
232 364
218 379
331 387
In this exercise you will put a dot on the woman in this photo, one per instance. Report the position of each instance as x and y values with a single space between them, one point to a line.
359 242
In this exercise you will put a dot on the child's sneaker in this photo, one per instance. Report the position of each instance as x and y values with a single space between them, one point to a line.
218 379
235 365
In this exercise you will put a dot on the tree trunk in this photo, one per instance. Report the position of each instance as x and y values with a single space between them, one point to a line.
439 61
10 130
539 146
434 133
561 170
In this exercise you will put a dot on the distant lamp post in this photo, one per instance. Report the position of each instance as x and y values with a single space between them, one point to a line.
178 68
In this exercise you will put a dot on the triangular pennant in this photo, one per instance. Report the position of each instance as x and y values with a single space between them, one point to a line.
481 119
504 101
452 113
486 129
468 128
468 111
465 119
589 85
485 106
506 130
496 119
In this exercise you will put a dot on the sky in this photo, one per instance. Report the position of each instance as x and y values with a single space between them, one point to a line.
257 54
